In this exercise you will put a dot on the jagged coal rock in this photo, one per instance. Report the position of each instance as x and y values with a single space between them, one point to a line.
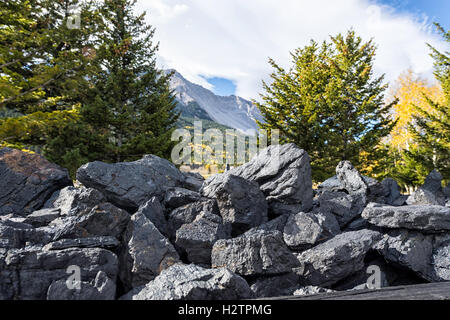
144 230
192 282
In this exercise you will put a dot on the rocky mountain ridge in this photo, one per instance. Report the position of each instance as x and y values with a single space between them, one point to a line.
194 101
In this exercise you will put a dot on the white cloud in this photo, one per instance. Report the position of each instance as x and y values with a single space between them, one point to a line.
162 12
234 38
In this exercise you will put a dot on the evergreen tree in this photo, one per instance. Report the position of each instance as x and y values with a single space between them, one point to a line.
411 92
44 66
129 109
431 126
329 103
408 169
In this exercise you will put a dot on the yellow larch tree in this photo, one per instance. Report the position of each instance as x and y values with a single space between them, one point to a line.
411 90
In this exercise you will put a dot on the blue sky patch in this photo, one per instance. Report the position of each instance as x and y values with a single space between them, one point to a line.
222 86
436 10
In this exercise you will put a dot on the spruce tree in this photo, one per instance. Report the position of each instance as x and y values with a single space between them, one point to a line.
129 109
329 103
431 128
44 67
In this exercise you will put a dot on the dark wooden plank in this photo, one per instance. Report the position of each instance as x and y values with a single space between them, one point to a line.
428 291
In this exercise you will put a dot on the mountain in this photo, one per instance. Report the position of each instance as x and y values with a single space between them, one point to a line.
196 102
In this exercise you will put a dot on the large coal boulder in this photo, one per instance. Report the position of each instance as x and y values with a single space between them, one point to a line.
177 197
427 255
336 259
193 181
241 203
145 252
187 214
105 242
26 274
276 224
440 260
408 249
192 282
426 218
72 201
379 272
198 237
15 235
154 211
27 181
130 184
306 229
350 179
446 191
430 193
43 217
358 224
275 286
255 253
393 196
101 288
356 184
104 219
283 173
331 184
345 207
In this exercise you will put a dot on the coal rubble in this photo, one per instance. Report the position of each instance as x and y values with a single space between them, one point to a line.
144 230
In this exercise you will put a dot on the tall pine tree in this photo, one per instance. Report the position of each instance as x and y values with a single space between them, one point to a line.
329 103
129 110
431 126
44 66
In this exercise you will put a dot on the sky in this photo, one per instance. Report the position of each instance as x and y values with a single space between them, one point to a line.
224 45
433 10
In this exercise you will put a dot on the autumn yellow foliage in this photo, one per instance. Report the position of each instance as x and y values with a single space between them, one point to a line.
411 90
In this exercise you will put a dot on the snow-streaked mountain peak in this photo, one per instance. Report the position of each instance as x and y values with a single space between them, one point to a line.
232 111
